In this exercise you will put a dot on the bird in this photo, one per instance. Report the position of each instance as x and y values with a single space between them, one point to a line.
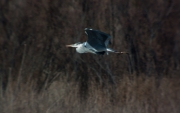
97 43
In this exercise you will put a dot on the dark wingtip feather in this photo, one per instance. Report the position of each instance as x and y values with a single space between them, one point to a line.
100 53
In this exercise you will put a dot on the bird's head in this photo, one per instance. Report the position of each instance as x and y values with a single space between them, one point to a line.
74 45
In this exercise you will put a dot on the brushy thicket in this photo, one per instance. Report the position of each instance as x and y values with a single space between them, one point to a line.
38 74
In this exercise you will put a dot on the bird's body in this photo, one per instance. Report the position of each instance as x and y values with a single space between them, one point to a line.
97 43
84 48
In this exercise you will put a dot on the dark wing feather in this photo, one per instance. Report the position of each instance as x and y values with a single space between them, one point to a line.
100 53
97 39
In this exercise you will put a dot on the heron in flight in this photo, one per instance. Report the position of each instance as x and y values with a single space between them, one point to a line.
97 43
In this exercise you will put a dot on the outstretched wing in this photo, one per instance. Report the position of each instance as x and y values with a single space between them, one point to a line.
97 39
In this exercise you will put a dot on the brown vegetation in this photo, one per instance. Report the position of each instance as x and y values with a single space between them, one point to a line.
38 74
140 95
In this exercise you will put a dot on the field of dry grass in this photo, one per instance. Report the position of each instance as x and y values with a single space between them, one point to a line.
128 95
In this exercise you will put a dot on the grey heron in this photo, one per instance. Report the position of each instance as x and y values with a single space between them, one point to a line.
97 43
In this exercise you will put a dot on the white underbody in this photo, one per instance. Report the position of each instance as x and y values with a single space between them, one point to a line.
86 48
82 49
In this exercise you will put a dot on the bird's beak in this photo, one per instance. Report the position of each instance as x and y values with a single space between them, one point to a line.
69 45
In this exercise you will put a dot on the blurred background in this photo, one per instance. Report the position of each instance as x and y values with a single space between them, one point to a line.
39 74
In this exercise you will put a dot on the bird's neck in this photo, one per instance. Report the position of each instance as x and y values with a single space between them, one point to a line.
80 48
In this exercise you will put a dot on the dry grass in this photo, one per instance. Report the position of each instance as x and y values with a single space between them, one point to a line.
138 94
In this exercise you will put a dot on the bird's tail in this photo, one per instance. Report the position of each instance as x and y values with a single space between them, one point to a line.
111 50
